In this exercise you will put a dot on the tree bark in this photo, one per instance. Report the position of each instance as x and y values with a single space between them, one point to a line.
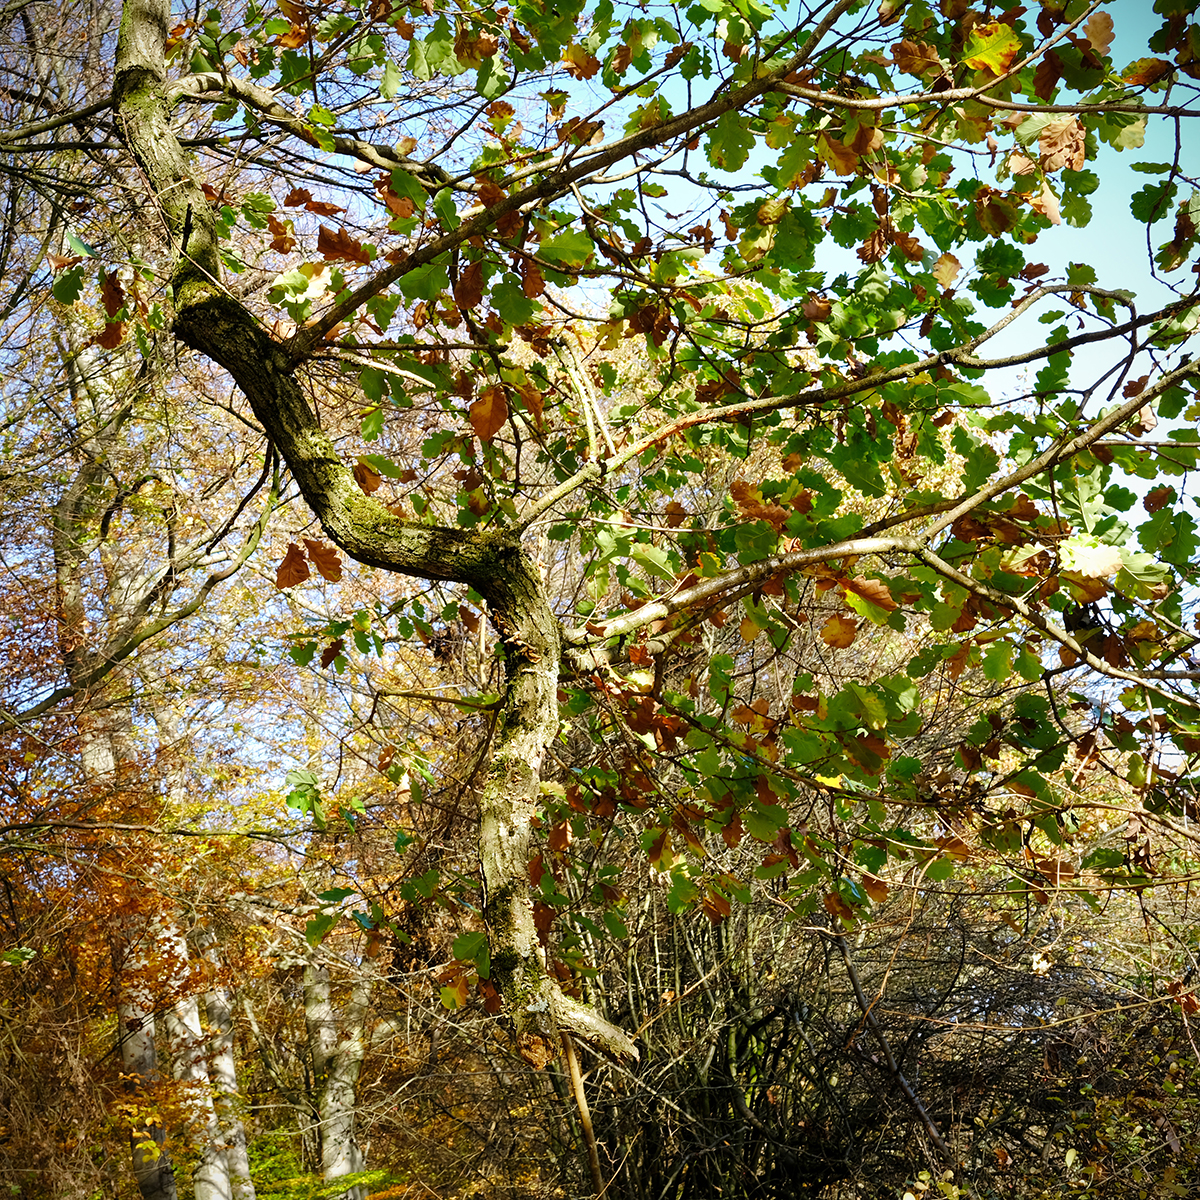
213 322
337 1049
218 1002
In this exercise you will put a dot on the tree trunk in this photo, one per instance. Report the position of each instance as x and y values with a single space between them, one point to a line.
189 1063
337 1049
213 322
152 1166
218 1001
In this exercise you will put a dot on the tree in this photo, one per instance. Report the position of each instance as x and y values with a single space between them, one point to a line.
875 180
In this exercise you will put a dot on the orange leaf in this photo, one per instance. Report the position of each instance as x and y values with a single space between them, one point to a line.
875 888
58 263
873 591
367 477
468 291
1146 71
325 559
839 632
489 412
340 246
532 282
293 569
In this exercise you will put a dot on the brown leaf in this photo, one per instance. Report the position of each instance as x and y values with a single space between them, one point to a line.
325 559
468 291
1062 144
58 263
367 477
839 632
112 294
281 235
488 414
840 157
675 514
533 284
716 907
874 591
293 569
111 336
332 651
297 198
835 906
580 63
323 208
916 58
1099 31
1046 76
340 246
946 269
817 308
1159 498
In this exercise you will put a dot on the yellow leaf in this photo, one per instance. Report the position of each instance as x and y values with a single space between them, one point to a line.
992 47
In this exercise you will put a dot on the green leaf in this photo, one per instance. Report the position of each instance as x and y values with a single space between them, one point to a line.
389 85
68 286
318 927
429 281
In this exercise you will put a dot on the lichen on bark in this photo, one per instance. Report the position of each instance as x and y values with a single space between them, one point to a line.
213 322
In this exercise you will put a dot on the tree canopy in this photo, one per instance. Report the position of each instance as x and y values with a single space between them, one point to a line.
697 439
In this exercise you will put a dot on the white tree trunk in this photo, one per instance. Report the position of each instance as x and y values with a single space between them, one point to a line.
337 1051
135 1032
218 1002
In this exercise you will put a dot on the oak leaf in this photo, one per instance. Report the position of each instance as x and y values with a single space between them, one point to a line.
1146 71
331 652
1062 144
992 47
916 58
839 632
1099 31
367 477
1158 498
488 414
580 63
112 294
293 569
340 246
946 269
281 235
873 591
325 559
468 291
